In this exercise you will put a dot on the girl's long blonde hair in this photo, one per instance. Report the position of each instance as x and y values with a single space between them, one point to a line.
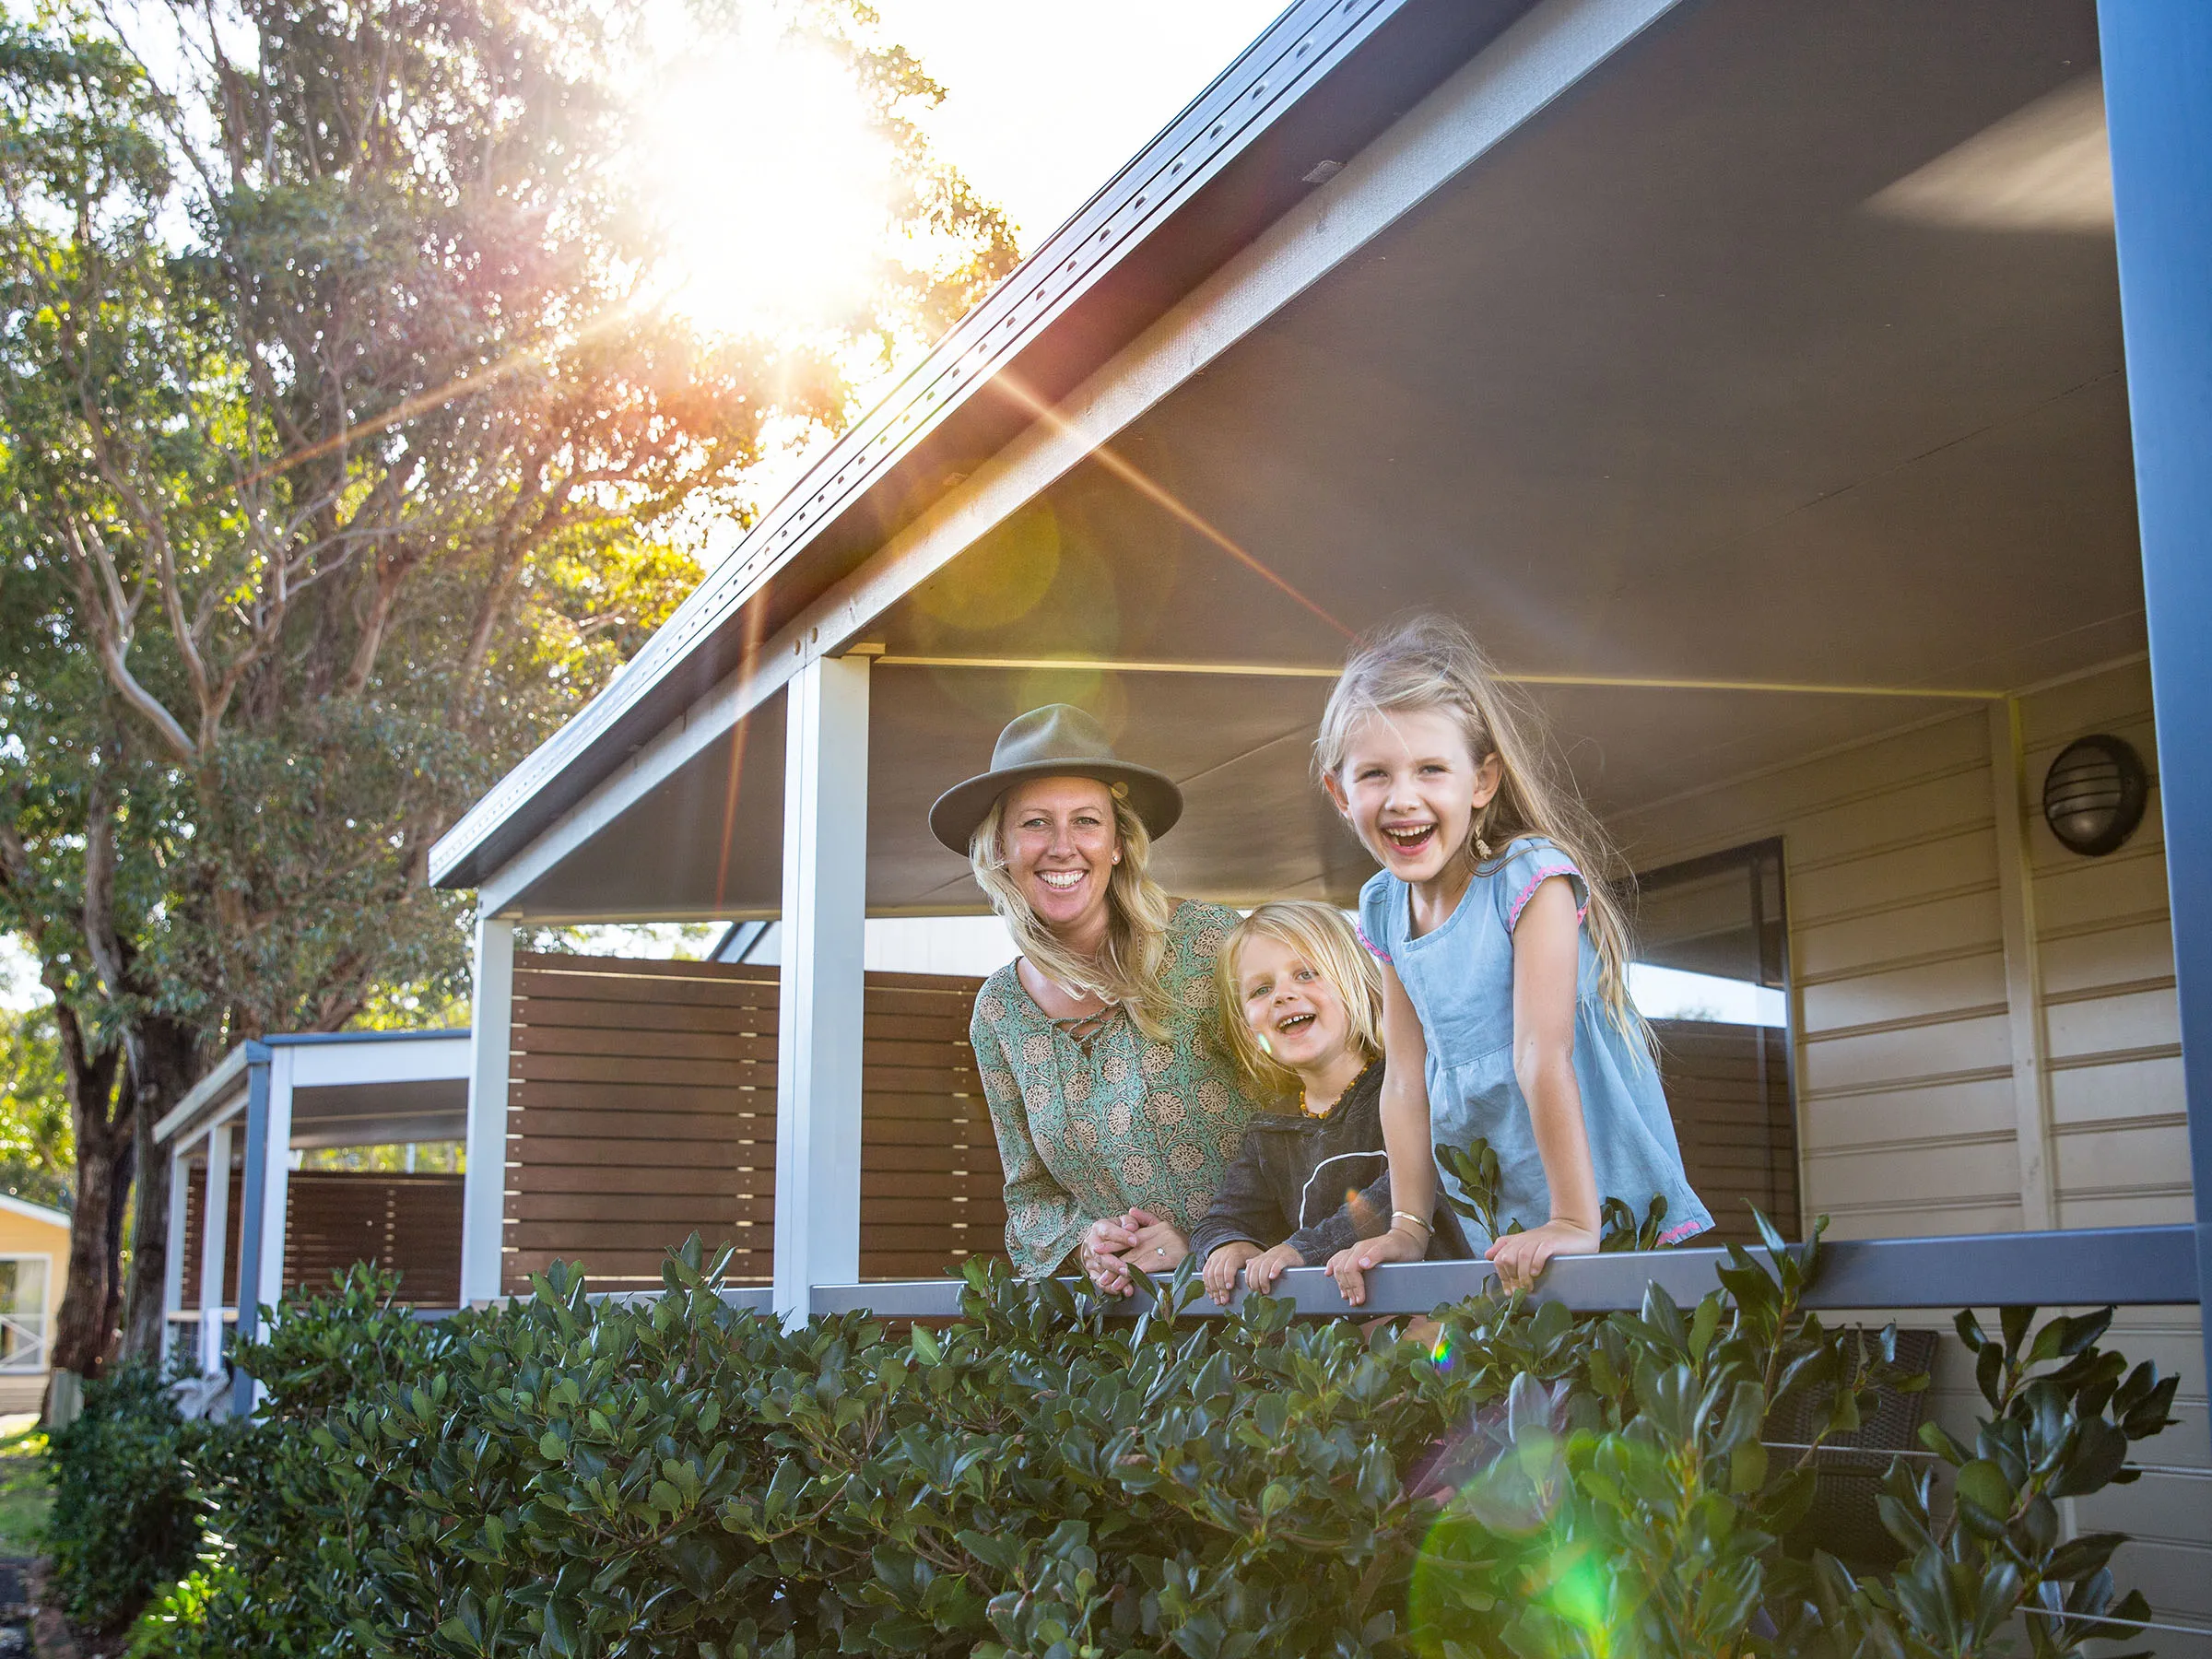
1128 973
1320 934
1431 661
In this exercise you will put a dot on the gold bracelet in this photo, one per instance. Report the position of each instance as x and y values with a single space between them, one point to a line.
1410 1215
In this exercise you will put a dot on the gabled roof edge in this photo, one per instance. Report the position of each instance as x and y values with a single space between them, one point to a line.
1291 57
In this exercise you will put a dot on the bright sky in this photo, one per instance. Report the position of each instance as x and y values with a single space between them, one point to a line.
777 189
1048 97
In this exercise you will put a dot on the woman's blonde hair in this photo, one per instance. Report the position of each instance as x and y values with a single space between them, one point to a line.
1431 661
1128 973
1320 934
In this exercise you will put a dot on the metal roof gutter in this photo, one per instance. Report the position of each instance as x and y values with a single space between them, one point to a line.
1323 80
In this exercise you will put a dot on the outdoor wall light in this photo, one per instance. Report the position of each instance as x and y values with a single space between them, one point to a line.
2094 795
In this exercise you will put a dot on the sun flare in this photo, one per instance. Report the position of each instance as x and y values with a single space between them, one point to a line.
775 185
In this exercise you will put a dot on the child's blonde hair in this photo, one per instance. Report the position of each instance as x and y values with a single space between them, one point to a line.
1138 911
1320 934
1431 661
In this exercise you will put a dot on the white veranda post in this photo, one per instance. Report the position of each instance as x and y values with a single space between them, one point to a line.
484 1188
274 1150
819 1025
173 1274
214 1225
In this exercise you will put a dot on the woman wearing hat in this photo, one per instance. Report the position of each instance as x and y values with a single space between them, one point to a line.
1114 1099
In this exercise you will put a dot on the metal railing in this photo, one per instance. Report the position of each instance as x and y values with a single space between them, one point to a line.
2126 1265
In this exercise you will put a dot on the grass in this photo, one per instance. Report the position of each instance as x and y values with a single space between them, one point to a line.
25 1496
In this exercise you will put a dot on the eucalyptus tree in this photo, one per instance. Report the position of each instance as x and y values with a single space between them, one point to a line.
348 442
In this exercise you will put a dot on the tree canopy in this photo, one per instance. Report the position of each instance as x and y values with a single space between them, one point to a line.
347 444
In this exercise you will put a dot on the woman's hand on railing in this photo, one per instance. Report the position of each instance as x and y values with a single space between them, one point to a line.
1348 1266
1159 1245
1110 1248
1106 1245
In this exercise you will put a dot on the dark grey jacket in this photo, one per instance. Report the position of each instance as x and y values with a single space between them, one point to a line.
1321 1184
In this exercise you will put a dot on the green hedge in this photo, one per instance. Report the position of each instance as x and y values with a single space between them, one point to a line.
565 1477
124 1520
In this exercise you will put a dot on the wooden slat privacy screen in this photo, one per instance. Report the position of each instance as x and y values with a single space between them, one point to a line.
1728 1086
195 1205
406 1224
642 1107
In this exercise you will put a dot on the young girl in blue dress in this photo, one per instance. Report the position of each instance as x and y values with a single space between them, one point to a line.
1506 1009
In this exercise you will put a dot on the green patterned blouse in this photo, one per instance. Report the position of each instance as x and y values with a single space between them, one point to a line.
1088 1133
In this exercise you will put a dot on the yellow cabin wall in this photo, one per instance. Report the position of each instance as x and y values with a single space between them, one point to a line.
1910 1118
19 1235
24 1236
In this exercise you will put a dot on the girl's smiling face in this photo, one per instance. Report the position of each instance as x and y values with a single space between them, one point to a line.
1410 788
1061 848
1291 1005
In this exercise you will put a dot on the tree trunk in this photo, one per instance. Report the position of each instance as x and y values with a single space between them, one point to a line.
172 1067
82 1327
83 1324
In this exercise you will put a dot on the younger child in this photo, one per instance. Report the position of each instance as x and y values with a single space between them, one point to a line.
1506 1010
1301 1001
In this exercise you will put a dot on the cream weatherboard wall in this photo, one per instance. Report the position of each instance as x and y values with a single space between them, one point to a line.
34 1243
1947 1083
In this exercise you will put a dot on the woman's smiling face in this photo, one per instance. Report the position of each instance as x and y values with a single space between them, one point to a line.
1410 788
1291 1005
1061 848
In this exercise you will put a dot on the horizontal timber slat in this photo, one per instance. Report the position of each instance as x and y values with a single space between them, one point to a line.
648 1045
586 1240
644 1096
641 1108
685 1211
628 1124
583 1013
645 1182
578 1149
531 1067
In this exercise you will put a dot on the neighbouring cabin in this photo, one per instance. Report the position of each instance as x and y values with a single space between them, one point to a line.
34 1261
257 1211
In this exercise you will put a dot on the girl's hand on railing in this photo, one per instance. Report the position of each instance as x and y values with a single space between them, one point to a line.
1264 1269
1348 1267
1223 1264
1519 1257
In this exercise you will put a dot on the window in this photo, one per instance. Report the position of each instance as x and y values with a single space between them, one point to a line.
23 1312
1711 975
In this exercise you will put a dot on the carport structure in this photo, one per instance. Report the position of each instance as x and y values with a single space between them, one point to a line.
1770 389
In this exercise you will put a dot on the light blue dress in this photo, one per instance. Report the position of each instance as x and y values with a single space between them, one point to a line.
1459 981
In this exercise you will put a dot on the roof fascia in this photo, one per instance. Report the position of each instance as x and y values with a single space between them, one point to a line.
1542 55
34 1212
1088 274
228 1077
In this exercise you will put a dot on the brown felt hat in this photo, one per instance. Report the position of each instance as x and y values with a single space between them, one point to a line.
1057 741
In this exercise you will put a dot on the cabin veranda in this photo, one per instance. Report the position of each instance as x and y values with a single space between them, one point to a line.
1782 400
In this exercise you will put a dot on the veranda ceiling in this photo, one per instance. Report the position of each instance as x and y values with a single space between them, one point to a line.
1651 393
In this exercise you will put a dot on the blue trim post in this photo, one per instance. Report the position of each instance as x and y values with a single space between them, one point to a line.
249 1223
2158 99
